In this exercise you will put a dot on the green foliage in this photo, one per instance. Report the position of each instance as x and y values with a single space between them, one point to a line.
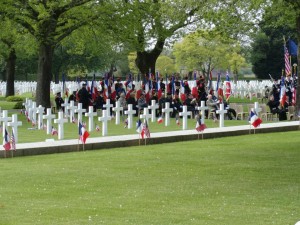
14 99
165 65
18 105
214 181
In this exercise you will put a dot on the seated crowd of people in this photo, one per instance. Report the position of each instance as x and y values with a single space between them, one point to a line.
164 92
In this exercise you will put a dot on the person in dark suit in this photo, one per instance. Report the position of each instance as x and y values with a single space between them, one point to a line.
84 97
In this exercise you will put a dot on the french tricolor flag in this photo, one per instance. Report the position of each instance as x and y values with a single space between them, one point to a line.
255 121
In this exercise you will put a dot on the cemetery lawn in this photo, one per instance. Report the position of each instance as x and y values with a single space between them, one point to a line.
248 180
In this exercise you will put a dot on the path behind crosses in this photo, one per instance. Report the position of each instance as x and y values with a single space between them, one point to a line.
49 117
185 115
60 121
167 110
105 117
91 115
130 112
15 124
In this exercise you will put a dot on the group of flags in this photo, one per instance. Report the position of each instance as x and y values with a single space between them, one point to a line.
9 142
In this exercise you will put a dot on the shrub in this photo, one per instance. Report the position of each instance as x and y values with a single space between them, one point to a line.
18 105
14 99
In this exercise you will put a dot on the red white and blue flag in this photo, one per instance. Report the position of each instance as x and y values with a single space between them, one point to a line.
6 142
200 126
13 141
228 86
282 92
255 121
287 61
159 120
139 126
83 134
53 131
145 130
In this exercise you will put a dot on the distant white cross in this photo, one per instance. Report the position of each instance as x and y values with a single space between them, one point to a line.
4 119
117 111
167 110
79 112
72 108
49 116
65 105
105 117
257 108
153 108
32 112
221 112
40 112
202 109
108 106
185 115
130 112
146 115
60 121
91 115
14 124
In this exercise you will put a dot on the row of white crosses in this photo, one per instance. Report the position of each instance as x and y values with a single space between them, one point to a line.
33 110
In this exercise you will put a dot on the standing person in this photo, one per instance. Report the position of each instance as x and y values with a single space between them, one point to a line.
58 101
84 97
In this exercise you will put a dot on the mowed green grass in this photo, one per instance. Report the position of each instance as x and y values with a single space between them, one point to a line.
249 180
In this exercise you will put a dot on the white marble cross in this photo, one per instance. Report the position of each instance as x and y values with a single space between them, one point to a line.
25 104
79 112
72 108
32 112
257 108
117 111
145 115
202 109
108 106
153 108
5 119
222 112
130 112
91 115
105 117
65 105
14 124
40 112
60 121
185 115
167 110
49 116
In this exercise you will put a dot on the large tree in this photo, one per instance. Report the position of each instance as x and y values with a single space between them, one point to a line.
49 22
287 13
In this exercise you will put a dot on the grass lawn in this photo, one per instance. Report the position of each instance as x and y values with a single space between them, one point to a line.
249 180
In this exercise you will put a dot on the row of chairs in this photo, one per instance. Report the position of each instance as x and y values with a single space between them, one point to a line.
265 114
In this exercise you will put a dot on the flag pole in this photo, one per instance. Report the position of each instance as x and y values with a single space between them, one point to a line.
78 145
202 134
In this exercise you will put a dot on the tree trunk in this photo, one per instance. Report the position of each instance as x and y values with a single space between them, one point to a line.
44 75
10 73
146 61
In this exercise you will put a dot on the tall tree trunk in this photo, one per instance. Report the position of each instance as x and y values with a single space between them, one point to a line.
146 61
44 75
10 73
